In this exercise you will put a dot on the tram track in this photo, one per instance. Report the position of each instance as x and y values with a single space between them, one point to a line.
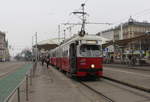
109 91
138 68
127 84
83 87
112 89
97 92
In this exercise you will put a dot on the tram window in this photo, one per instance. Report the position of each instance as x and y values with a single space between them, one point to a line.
90 50
65 53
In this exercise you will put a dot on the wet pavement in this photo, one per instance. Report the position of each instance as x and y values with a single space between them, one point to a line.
49 86
139 78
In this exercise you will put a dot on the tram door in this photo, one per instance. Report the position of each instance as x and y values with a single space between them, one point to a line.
72 57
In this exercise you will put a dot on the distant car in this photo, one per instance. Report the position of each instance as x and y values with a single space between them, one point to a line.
2 60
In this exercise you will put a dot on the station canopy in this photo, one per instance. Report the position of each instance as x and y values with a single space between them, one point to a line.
49 43
126 41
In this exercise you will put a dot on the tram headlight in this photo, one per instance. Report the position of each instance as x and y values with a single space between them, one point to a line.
92 66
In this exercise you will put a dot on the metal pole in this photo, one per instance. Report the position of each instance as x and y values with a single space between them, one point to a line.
34 65
36 46
64 34
32 48
83 17
114 46
121 32
70 31
27 89
140 45
18 90
140 48
30 77
59 33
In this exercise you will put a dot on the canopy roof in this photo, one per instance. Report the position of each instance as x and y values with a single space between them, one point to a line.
126 41
49 44
51 41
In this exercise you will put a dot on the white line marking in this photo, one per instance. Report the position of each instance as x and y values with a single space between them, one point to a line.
2 74
128 72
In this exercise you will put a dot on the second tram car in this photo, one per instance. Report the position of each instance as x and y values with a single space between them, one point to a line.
79 56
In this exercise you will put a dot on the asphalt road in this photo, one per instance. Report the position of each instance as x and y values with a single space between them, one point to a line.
9 67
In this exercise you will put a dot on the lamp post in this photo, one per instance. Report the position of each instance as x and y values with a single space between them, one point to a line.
32 47
36 46
64 34
59 33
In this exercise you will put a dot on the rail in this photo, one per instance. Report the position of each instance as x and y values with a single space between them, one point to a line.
99 93
11 84
127 84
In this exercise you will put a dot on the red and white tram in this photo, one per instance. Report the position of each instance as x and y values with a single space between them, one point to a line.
79 56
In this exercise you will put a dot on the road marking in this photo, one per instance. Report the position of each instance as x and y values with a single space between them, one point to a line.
2 74
128 72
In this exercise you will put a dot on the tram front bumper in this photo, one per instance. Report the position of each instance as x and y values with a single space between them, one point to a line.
94 72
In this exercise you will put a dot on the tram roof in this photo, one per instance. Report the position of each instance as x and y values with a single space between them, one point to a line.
54 42
86 37
49 43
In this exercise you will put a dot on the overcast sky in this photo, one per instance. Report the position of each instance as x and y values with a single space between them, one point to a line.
20 19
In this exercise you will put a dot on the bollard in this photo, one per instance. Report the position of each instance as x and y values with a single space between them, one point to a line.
30 77
27 88
18 90
34 69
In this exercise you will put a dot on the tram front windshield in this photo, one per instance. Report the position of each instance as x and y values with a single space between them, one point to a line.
90 50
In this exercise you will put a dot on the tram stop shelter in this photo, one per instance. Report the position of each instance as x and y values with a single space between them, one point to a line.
121 44
48 44
126 41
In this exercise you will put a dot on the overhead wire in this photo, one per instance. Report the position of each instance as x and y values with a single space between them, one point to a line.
137 14
85 1
66 28
141 12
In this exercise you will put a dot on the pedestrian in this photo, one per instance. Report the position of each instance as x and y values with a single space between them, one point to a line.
33 59
129 59
42 60
112 59
47 61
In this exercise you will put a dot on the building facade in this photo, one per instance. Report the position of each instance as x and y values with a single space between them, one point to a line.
4 52
128 30
109 34
132 29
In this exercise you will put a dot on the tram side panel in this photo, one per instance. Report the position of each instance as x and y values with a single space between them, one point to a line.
65 59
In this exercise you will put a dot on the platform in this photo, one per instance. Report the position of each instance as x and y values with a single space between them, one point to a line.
49 85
